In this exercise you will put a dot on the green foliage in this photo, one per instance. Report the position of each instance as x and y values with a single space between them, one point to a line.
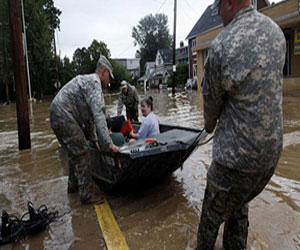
66 70
95 49
182 74
151 34
41 18
82 61
120 74
85 60
5 48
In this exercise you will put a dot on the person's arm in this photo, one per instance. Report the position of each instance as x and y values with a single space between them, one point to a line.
90 130
95 100
120 105
143 130
136 96
133 135
212 91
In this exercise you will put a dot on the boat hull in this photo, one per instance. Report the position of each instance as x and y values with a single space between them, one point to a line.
144 163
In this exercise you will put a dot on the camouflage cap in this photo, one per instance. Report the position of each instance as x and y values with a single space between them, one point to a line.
104 62
124 84
215 8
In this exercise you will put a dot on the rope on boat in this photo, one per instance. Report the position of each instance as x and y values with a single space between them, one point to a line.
194 143
207 141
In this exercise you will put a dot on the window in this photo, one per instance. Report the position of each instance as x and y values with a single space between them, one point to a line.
159 61
194 43
195 70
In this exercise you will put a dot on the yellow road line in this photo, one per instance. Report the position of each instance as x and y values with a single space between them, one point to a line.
113 236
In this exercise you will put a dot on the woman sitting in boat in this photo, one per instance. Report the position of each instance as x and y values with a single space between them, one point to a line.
150 125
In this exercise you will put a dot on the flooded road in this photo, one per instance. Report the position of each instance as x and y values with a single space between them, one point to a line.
165 216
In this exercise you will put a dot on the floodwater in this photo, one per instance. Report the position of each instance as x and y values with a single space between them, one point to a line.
165 216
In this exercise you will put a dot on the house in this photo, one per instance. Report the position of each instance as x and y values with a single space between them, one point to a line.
158 72
144 81
204 25
182 55
132 65
285 13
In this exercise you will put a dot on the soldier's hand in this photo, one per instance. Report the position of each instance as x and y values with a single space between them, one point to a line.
96 145
114 149
132 134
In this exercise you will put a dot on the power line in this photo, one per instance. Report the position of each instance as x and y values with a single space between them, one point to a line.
187 15
161 6
191 8
126 49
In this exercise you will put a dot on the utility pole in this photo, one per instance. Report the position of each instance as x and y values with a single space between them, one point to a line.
26 53
5 74
174 49
19 74
57 83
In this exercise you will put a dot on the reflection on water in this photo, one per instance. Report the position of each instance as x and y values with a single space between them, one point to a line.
162 217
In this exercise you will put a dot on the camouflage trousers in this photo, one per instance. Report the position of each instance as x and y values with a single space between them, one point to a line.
132 113
72 139
226 198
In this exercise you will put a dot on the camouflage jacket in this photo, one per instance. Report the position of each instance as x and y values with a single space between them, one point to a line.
131 100
242 91
82 99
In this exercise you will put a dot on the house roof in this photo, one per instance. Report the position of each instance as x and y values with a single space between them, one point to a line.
166 54
205 23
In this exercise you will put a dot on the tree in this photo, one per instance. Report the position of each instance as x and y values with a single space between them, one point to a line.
41 18
85 59
151 34
182 74
67 70
6 79
82 61
96 49
120 73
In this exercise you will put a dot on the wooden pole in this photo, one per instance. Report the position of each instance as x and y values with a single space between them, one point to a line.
19 74
174 49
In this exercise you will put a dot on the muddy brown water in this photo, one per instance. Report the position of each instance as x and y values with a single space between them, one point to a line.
165 216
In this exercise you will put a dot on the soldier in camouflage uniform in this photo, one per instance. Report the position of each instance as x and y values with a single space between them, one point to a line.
81 103
128 97
242 93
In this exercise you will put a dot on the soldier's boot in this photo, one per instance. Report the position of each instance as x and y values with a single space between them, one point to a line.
93 200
